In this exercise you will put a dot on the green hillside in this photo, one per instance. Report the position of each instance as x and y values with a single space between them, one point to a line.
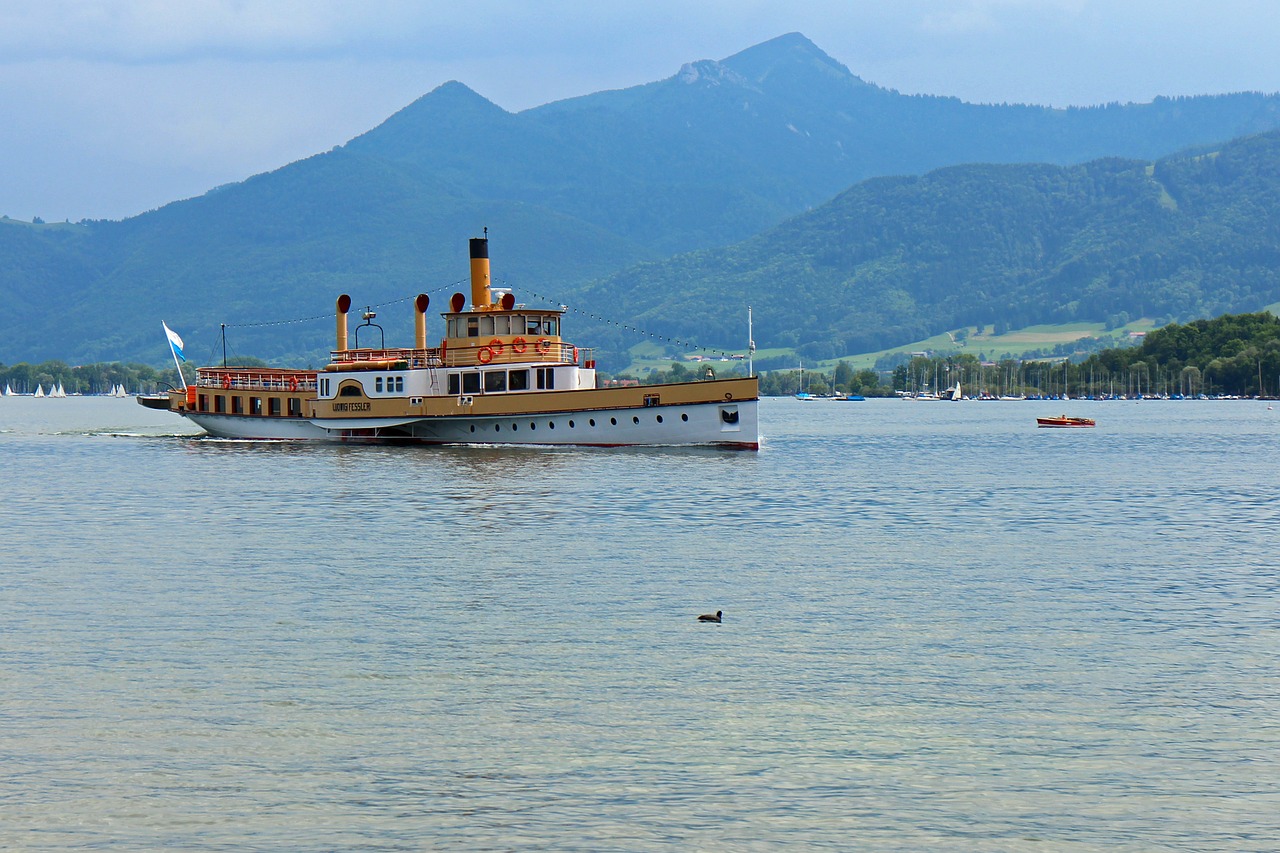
895 260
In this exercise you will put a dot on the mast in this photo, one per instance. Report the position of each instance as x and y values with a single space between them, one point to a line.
751 346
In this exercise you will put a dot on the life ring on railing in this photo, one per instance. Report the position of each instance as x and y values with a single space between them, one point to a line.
293 383
575 355
226 382
496 346
485 355
519 345
544 346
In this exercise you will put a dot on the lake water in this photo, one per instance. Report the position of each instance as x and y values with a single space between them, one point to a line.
943 629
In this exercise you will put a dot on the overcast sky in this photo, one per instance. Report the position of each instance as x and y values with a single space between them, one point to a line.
109 108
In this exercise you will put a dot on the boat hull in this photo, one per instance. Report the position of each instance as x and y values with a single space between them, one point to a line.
718 424
1064 422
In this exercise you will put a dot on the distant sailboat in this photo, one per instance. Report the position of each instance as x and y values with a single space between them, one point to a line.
58 391
803 394
39 390
8 391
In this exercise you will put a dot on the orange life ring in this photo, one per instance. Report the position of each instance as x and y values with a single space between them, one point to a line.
293 383
519 345
226 382
544 346
496 346
485 355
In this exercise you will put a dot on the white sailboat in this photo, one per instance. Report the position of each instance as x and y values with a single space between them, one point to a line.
802 394
8 390
39 390
58 391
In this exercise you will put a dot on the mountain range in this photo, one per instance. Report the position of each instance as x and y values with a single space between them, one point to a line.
581 196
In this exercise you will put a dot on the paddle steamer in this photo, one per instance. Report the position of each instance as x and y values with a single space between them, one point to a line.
502 374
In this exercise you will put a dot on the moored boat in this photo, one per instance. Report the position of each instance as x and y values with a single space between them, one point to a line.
1064 421
502 374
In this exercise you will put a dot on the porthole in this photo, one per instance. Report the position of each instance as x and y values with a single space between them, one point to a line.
684 417
635 420
532 425
497 427
551 425
659 419
613 421
592 421
570 424
473 427
515 427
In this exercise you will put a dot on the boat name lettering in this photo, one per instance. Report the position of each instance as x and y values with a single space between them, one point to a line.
351 407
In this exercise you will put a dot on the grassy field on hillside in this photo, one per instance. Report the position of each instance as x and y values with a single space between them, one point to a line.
983 343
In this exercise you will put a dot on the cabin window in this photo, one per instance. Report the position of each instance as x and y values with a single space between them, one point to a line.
486 327
548 326
471 383
377 385
546 378
204 403
518 380
255 405
273 406
399 384
295 407
532 326
473 327
352 390
219 403
495 381
502 325
237 405
455 385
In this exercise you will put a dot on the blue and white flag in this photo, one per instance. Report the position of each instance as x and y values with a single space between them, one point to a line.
174 341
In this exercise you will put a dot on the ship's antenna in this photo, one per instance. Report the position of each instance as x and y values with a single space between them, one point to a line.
751 347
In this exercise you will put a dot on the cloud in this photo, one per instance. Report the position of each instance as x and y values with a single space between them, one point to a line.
115 106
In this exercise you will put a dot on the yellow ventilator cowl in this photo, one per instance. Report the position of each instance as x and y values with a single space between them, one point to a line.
420 320
344 305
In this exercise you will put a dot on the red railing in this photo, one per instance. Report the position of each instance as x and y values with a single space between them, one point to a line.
255 379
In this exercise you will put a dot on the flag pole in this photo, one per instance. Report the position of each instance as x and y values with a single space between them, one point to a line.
173 352
181 378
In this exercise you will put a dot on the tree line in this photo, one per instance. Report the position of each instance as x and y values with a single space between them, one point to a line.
98 378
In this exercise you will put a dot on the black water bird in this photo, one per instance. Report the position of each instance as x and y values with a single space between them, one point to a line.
711 617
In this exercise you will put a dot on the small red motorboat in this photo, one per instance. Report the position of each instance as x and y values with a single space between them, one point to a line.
1064 421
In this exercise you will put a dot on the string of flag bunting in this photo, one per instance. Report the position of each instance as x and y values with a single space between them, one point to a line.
605 320
638 331
329 316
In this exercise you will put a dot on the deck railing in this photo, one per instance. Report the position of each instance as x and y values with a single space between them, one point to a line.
255 379
429 357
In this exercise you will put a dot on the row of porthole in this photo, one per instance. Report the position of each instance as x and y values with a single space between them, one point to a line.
590 422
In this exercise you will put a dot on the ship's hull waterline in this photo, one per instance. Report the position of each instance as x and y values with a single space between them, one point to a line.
727 425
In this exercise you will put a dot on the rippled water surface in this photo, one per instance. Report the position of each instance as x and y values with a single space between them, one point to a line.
943 628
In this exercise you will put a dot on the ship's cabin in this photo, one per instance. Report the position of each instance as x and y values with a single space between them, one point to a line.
531 325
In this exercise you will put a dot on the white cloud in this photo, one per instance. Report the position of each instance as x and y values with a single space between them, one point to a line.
114 106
